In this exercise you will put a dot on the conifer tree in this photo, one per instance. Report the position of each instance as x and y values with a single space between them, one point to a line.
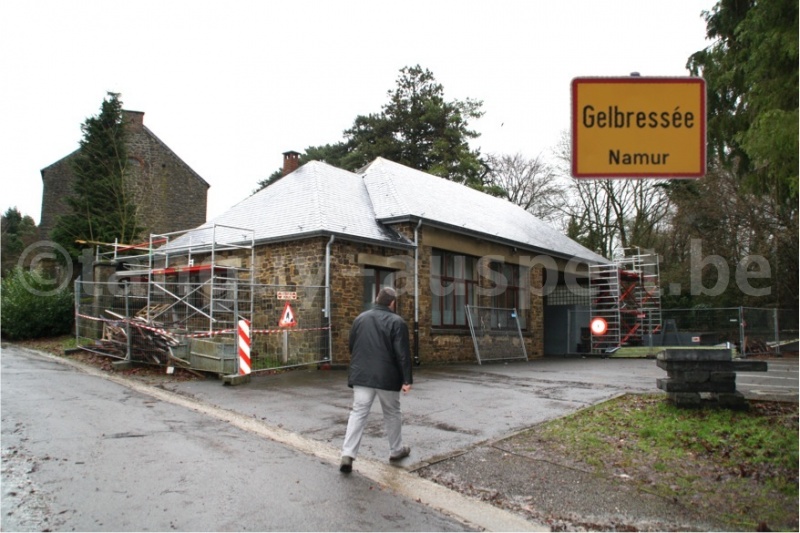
18 231
418 128
101 207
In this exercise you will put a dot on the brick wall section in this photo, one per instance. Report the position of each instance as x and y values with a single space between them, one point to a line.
170 196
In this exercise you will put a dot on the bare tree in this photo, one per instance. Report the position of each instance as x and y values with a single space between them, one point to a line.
530 183
609 215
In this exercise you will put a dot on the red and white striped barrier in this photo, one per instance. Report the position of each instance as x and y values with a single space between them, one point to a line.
244 347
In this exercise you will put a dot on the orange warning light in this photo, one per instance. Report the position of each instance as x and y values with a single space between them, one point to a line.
599 326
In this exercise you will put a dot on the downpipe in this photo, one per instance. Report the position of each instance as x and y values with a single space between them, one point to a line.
416 293
328 295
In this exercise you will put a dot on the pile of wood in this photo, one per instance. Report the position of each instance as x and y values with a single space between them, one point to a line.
149 341
756 347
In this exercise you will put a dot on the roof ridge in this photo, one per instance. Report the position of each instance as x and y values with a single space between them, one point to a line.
396 197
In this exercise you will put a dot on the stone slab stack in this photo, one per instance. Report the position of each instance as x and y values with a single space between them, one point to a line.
695 375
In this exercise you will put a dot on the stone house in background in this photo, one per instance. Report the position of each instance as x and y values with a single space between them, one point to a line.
170 195
442 245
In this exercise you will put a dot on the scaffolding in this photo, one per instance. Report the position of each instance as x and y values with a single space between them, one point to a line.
183 292
200 279
626 295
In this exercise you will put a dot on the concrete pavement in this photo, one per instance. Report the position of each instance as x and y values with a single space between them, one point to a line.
454 407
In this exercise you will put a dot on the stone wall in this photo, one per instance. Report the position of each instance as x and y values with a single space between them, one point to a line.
169 195
56 186
301 265
451 345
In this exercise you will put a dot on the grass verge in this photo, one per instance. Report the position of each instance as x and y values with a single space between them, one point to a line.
739 466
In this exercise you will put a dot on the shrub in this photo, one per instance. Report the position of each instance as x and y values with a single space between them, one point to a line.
31 307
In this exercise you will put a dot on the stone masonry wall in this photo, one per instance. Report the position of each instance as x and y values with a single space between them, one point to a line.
56 186
450 345
301 264
169 194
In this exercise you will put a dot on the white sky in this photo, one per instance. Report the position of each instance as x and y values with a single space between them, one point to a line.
229 86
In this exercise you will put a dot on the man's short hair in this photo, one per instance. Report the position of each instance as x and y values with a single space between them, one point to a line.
386 296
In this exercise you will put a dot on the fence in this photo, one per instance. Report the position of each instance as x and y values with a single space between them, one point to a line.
193 325
757 330
496 334
306 342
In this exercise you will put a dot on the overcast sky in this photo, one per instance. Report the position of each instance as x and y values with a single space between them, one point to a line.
231 85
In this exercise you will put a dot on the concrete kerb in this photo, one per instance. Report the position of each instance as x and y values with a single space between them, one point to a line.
470 511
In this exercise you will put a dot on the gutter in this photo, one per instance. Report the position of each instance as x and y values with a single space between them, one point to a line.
502 241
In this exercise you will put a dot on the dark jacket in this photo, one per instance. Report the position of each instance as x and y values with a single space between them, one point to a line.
379 350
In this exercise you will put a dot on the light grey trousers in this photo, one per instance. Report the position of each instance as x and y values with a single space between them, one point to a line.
392 419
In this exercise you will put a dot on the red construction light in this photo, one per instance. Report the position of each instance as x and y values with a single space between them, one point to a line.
598 326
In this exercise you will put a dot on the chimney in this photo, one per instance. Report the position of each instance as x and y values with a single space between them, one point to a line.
133 120
291 160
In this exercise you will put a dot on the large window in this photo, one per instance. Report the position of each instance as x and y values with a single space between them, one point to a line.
510 290
453 286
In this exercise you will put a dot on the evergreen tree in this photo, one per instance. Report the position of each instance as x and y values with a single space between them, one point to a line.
101 209
18 231
420 129
752 93
417 128
752 79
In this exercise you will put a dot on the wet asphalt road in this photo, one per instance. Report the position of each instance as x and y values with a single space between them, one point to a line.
299 418
84 453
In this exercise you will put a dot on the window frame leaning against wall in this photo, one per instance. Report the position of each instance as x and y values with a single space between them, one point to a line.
453 285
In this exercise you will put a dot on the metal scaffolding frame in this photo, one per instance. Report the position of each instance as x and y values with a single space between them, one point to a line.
626 295
196 280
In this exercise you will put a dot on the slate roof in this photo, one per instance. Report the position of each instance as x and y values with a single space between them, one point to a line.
401 193
318 199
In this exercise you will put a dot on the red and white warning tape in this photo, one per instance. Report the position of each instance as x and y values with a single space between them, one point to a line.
197 335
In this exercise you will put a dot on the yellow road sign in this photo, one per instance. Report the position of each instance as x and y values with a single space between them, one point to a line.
638 127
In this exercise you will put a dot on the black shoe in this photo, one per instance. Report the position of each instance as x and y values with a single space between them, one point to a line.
346 465
404 452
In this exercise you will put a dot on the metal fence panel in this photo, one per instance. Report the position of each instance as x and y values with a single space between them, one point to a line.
758 330
305 343
496 334
194 324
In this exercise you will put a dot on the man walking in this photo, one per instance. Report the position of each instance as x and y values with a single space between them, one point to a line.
380 365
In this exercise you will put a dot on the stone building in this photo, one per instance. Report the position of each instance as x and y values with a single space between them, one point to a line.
169 195
442 245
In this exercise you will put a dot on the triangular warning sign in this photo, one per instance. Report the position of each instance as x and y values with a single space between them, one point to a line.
287 318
